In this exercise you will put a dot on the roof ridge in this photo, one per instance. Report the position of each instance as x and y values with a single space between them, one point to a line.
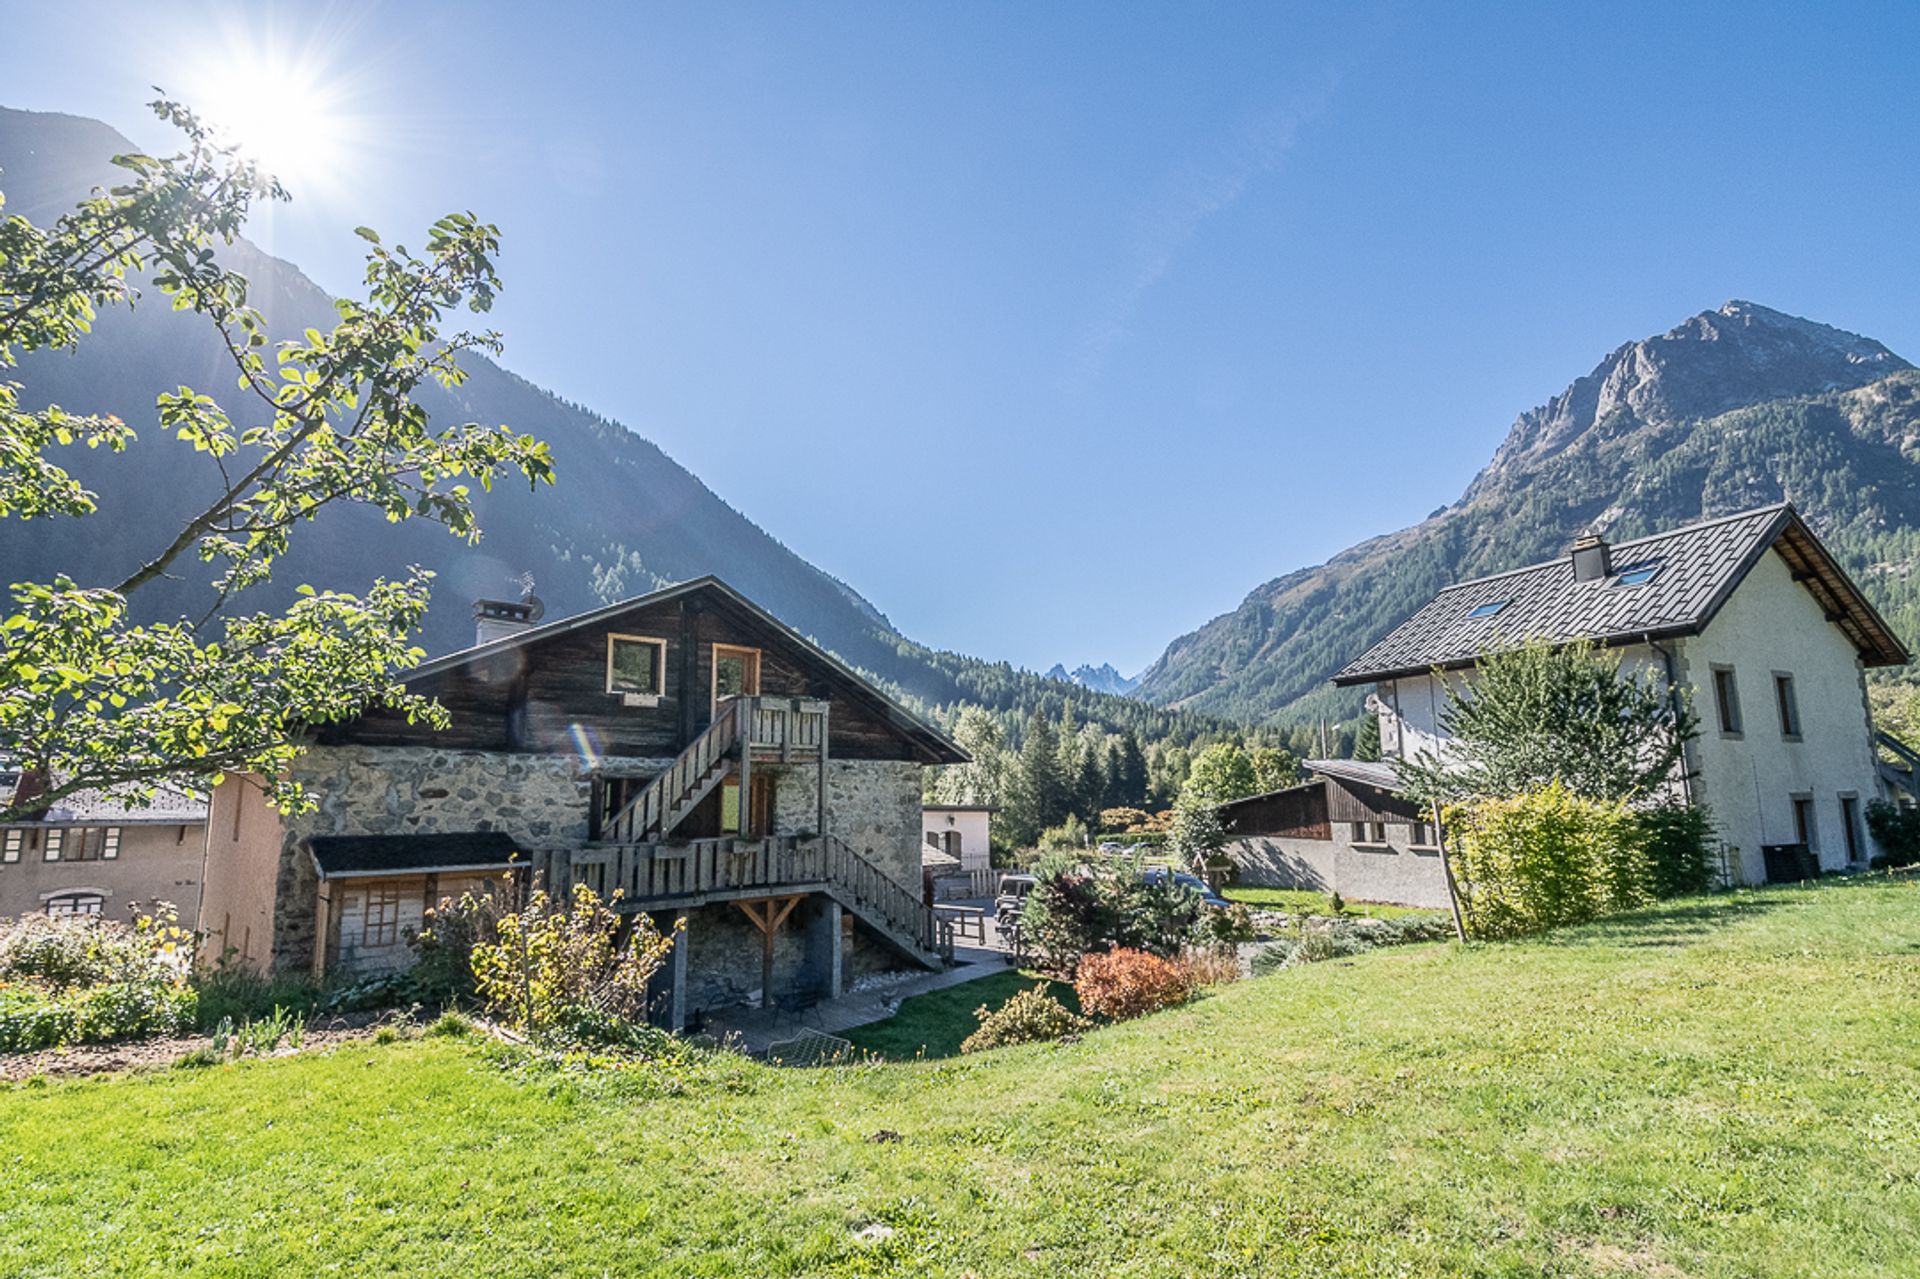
1676 531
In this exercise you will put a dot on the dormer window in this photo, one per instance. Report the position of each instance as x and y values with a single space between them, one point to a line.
1487 610
636 665
1638 576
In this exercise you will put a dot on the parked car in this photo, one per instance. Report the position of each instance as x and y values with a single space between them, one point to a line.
1158 875
1012 895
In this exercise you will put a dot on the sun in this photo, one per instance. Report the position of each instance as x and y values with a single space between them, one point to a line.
283 111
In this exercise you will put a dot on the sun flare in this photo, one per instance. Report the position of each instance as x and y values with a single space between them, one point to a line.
287 113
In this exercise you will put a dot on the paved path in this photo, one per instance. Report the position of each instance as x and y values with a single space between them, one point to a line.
753 1029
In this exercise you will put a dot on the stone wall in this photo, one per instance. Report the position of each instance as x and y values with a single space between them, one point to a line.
725 954
874 806
541 800
1395 873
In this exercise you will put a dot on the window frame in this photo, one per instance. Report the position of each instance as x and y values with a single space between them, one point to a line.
615 638
1638 575
70 897
1415 829
1786 704
1492 608
1806 821
370 930
1726 700
1363 833
12 844
54 844
1850 827
756 668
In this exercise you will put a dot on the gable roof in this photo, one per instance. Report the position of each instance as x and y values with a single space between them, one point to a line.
1699 567
936 744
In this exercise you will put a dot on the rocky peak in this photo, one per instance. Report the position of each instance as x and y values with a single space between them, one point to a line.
1741 353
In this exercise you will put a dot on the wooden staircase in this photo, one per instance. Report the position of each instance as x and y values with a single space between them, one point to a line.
683 873
665 801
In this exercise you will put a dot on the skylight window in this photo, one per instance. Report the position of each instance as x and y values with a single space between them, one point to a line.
1487 610
1638 576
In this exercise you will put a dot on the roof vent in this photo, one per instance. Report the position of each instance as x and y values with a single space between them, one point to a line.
497 619
1592 558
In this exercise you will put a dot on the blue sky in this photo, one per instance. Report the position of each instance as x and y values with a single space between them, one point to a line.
1056 329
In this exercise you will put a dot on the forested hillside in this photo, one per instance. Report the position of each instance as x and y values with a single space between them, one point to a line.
1735 408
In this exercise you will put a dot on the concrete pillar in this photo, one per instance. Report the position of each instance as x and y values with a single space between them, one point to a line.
823 946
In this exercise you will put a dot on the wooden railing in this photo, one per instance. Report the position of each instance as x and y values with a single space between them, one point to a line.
654 810
795 727
648 873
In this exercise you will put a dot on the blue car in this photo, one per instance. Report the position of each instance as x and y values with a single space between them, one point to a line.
1158 875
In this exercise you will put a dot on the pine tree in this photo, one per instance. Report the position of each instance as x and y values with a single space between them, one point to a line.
1366 742
1132 772
1040 799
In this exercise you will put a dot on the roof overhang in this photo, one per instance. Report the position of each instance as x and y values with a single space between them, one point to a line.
391 856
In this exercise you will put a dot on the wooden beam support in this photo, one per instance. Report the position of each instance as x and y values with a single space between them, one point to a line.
768 920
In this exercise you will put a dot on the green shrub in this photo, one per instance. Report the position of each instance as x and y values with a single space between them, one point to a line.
558 973
1028 1017
1545 859
1272 957
1230 927
1074 912
1897 831
92 980
236 994
1677 840
451 1025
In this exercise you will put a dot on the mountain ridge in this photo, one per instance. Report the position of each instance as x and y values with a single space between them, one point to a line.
1734 407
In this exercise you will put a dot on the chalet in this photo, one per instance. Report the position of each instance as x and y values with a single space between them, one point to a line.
1749 616
684 750
1347 830
94 852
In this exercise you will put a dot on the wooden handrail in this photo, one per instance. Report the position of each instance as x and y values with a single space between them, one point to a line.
646 814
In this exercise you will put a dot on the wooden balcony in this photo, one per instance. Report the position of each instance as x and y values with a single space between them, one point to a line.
783 730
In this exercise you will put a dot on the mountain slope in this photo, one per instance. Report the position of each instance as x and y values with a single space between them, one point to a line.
1736 407
624 518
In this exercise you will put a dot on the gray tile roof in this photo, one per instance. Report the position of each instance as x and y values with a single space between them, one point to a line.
168 806
1365 772
1699 566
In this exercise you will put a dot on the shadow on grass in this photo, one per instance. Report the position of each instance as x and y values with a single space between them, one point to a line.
933 1025
1688 920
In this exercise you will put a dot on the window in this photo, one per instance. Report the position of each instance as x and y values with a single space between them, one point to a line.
1370 832
93 844
1487 610
1789 707
16 839
636 664
1850 826
1803 828
75 904
1726 699
760 811
736 672
380 922
1638 576
56 839
1422 835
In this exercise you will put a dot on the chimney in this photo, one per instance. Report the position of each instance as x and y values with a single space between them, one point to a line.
1592 558
496 619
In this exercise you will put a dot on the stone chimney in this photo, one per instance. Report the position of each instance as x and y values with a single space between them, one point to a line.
497 619
1592 558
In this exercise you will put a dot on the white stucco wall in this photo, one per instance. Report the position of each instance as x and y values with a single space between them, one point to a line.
1748 781
974 827
1771 624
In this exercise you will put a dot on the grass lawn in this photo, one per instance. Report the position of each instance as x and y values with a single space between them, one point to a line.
1303 901
1716 1088
933 1024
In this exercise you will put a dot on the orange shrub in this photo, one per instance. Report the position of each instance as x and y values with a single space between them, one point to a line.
1118 984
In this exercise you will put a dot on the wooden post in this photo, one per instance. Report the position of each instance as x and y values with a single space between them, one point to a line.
322 925
826 731
1446 868
768 921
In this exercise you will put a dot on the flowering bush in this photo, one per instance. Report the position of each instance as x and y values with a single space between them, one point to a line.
562 973
1029 1017
1128 983
92 980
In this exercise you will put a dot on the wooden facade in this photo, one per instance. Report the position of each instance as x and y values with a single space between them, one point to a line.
545 692
1308 811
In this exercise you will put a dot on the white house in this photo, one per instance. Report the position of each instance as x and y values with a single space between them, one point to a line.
961 831
1749 614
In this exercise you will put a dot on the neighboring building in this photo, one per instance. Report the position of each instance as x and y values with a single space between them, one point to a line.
1346 829
1749 614
961 831
92 853
684 749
